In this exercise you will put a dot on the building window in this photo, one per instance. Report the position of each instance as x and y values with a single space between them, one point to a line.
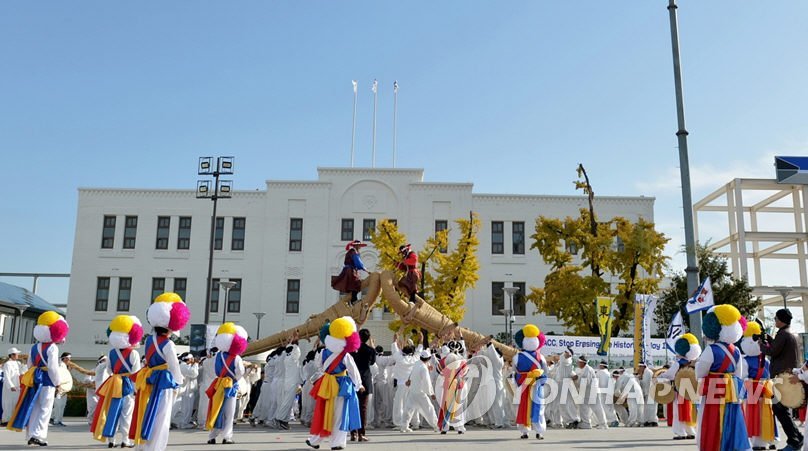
440 226
108 235
237 243
296 234
497 298
102 294
293 296
497 237
234 300
393 221
158 287
163 226
347 229
214 296
129 232
124 293
519 299
518 237
180 285
571 247
218 234
184 233
368 227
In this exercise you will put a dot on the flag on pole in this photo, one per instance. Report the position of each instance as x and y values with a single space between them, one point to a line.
355 86
702 299
649 303
375 87
675 330
604 312
395 87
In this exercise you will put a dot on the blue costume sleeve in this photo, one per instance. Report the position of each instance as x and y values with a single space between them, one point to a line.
357 262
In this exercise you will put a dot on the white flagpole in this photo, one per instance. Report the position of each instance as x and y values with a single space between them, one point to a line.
375 96
395 105
353 127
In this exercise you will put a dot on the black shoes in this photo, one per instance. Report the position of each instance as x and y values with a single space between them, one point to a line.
313 446
111 445
539 437
212 441
33 441
228 442
523 437
283 425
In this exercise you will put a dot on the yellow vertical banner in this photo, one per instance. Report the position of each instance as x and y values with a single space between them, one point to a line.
639 306
604 312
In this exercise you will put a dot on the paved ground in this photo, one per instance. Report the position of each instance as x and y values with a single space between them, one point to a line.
76 436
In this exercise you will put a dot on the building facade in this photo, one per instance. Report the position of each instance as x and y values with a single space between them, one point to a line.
282 246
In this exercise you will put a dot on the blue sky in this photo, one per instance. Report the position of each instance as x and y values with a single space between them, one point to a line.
124 94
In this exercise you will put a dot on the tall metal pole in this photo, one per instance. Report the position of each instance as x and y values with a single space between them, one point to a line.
353 127
692 269
212 232
375 96
395 109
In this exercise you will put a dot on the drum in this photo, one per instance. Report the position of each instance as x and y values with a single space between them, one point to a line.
790 392
686 384
662 390
66 379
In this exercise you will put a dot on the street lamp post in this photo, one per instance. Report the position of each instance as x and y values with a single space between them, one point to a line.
258 316
227 285
784 293
219 189
511 291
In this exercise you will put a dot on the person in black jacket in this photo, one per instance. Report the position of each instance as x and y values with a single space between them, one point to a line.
784 357
364 357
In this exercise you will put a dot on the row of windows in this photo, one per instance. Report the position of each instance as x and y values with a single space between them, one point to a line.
517 237
158 286
163 228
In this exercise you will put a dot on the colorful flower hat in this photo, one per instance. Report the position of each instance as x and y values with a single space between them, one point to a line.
723 323
530 338
168 311
124 331
687 346
748 344
342 334
231 338
51 327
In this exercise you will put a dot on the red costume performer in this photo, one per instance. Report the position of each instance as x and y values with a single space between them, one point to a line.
409 281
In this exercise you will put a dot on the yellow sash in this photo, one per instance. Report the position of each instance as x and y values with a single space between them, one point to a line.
112 388
143 392
222 384
329 389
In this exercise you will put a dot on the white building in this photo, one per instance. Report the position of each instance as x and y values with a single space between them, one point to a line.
282 245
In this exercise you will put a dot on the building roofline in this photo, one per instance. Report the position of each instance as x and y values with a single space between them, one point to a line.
491 196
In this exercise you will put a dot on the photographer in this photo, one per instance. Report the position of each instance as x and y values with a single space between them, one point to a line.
784 358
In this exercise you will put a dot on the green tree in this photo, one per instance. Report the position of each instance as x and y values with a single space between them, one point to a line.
631 252
726 289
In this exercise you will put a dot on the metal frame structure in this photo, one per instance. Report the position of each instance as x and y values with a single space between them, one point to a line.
746 240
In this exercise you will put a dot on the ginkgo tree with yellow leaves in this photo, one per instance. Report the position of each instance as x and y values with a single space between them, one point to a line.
445 276
585 255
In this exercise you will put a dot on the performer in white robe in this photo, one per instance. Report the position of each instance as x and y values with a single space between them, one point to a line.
629 390
382 389
289 385
568 408
11 383
649 418
206 376
590 406
496 414
188 392
421 394
606 388
307 371
404 361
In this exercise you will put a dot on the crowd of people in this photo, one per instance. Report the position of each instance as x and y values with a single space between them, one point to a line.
347 384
